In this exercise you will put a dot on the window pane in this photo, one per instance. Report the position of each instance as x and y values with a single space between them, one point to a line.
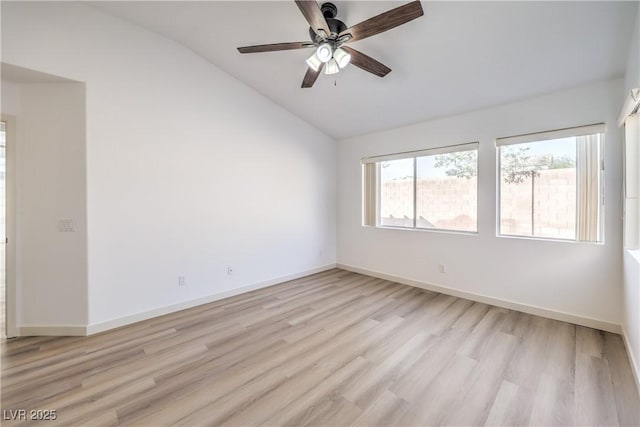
447 191
538 189
396 193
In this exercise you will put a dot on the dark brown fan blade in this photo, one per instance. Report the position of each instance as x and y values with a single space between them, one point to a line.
385 21
367 63
274 47
313 15
311 76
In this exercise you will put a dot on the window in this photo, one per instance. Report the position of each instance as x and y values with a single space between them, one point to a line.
427 189
632 182
550 184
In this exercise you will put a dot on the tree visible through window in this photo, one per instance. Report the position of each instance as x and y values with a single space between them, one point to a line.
434 190
551 188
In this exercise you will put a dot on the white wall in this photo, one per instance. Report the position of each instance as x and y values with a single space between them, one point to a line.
632 75
579 279
51 185
631 312
631 290
9 98
188 170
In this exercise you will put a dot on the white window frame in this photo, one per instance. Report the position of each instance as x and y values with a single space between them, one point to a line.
593 129
629 119
471 146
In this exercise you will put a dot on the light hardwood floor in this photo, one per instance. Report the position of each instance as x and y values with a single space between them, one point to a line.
336 348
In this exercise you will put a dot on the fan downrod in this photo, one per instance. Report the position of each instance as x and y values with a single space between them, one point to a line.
329 10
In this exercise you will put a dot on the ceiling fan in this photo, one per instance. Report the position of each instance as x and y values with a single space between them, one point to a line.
328 36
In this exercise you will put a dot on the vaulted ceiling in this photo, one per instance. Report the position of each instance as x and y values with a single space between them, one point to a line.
458 57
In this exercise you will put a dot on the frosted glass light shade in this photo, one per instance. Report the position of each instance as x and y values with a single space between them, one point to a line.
341 57
324 52
332 67
314 62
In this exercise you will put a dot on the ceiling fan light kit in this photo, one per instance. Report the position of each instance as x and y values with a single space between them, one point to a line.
342 57
328 35
314 62
324 52
332 67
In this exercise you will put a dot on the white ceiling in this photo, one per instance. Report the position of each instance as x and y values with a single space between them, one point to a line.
458 57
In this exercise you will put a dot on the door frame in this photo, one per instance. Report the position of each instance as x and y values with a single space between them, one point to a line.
11 294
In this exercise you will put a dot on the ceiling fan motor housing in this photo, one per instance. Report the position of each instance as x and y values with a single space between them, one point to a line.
336 26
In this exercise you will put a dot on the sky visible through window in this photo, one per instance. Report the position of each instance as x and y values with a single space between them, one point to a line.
555 147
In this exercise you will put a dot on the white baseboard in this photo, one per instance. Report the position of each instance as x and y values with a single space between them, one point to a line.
55 330
138 317
632 359
525 308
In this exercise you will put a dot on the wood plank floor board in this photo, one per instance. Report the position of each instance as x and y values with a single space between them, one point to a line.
471 317
385 372
333 348
412 385
345 346
594 399
80 411
590 342
307 407
337 408
235 401
399 300
386 410
37 382
267 405
225 352
52 358
237 371
531 355
503 406
439 397
176 396
302 288
552 402
483 384
390 343
444 321
478 341
627 402
561 352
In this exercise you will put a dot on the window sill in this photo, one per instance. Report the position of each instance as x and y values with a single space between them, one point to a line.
635 254
548 239
428 230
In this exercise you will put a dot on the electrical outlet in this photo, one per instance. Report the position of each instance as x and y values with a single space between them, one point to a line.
181 281
441 268
66 226
229 271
